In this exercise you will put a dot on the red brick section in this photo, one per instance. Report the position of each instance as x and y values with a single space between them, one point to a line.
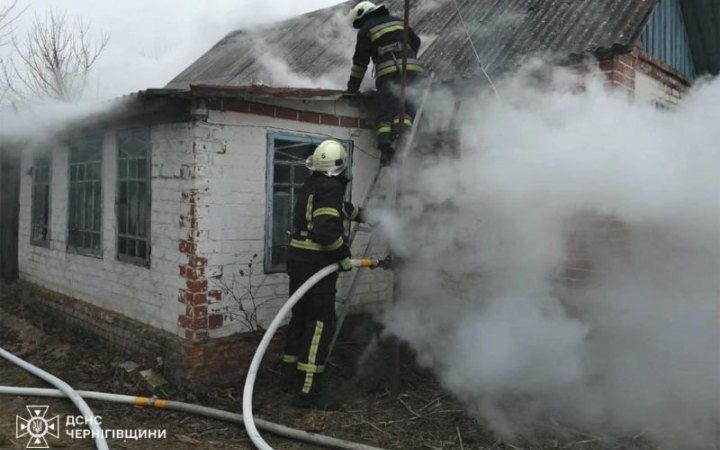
280 112
194 295
620 71
227 358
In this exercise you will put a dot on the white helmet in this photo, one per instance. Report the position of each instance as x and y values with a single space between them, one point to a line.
329 158
360 10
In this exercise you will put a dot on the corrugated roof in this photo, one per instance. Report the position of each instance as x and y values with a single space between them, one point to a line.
308 47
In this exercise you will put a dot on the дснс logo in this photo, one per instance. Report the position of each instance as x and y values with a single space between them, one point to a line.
37 427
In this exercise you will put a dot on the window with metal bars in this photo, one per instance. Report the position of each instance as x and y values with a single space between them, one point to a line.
133 196
85 196
40 215
286 173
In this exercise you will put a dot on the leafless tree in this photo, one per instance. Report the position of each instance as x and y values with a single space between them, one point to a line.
54 60
8 15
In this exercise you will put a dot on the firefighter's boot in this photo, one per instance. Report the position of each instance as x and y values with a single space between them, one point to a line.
315 398
387 154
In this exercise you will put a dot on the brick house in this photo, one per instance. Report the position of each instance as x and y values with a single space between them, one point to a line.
136 224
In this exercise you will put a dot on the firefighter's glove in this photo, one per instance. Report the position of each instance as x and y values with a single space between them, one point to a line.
345 265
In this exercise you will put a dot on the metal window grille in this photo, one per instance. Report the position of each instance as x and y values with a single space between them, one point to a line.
85 196
133 197
286 175
40 215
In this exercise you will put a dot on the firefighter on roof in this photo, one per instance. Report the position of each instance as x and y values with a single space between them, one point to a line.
322 219
380 38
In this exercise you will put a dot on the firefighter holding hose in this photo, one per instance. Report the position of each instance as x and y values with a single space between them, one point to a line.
322 219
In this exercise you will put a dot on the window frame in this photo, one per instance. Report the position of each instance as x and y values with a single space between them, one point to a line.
138 261
272 138
99 137
48 155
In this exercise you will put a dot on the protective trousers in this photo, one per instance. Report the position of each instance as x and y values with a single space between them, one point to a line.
389 120
311 327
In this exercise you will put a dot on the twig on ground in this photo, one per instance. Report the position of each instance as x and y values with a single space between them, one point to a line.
460 441
436 400
407 419
376 427
409 408
512 446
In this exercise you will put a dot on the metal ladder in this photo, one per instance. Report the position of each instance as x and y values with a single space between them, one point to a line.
374 193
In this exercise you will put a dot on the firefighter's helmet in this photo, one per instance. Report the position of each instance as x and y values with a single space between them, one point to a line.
361 10
329 158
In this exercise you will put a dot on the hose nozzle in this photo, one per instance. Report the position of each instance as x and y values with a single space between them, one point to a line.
373 263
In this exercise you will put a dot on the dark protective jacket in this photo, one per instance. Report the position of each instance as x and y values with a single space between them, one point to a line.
321 221
380 38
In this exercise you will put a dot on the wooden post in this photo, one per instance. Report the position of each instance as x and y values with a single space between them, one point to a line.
395 349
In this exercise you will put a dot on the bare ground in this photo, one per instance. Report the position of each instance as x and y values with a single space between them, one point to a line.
422 417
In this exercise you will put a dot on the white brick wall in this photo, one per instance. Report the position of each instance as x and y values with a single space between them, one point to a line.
224 160
145 294
234 202
648 90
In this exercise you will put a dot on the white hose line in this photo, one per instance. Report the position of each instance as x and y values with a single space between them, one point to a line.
219 414
68 391
262 348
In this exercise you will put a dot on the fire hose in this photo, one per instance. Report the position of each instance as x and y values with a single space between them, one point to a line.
252 430
198 410
67 391
251 425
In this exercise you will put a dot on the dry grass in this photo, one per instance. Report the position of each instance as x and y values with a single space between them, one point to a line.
423 416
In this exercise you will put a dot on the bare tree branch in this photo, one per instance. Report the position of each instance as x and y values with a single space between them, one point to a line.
8 16
53 61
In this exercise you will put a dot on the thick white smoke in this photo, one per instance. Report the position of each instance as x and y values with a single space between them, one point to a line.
336 37
40 122
567 263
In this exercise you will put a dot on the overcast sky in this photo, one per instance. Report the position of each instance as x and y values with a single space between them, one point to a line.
151 41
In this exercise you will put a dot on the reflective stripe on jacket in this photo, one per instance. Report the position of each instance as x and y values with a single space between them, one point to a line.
321 218
380 40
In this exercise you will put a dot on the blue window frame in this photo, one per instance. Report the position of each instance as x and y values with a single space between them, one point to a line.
286 173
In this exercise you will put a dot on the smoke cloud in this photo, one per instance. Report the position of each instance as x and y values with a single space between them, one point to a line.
156 39
567 263
335 37
40 122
